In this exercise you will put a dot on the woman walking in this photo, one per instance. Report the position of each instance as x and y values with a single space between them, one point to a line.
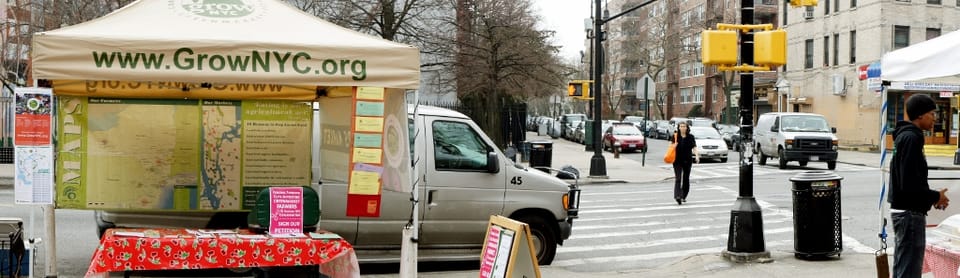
686 153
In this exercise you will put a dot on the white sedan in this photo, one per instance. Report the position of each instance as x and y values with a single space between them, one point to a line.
709 143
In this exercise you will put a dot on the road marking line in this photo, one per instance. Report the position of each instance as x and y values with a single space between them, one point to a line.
658 204
652 243
621 193
650 223
652 256
595 219
634 209
668 230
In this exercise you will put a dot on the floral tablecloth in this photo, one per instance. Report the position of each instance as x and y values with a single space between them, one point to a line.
160 249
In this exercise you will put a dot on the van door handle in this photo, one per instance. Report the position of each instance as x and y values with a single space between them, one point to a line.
430 202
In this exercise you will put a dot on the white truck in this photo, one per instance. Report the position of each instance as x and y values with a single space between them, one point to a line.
463 179
801 137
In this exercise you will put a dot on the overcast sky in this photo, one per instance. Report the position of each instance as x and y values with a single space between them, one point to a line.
566 18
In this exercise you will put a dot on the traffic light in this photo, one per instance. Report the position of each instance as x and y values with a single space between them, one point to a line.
579 89
803 3
770 48
719 47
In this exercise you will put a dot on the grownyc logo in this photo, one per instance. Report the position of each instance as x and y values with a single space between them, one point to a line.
223 11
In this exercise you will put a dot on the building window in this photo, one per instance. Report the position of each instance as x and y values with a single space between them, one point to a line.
853 3
698 94
629 84
901 36
853 46
933 2
836 49
684 95
808 54
836 6
716 95
826 51
933 33
826 7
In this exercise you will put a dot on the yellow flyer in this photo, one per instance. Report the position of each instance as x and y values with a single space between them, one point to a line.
370 93
364 183
369 124
362 155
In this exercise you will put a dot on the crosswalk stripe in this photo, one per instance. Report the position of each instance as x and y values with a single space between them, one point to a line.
649 223
666 201
634 217
766 221
589 194
636 209
653 243
643 257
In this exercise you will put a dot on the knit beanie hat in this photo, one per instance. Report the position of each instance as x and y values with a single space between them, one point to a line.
919 104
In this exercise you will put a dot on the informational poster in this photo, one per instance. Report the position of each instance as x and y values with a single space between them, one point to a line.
177 154
364 187
33 152
508 250
286 211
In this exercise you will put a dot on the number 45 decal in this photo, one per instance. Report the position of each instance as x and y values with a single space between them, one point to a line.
516 180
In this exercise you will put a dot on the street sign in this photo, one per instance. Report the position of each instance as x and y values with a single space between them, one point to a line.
651 86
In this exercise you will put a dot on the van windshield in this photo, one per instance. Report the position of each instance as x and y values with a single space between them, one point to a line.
804 123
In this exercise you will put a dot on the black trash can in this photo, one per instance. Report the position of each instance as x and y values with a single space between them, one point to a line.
816 214
541 154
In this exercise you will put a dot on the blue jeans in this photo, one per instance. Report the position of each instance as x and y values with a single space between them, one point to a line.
911 239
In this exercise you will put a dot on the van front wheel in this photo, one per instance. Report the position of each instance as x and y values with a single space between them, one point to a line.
544 239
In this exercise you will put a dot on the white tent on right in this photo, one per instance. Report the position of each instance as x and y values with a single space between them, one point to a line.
934 58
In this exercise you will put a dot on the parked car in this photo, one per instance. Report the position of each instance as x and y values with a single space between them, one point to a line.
730 134
801 137
627 135
579 132
703 122
709 143
673 124
663 129
568 122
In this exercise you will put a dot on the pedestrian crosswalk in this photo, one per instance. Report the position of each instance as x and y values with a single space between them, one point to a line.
629 227
708 171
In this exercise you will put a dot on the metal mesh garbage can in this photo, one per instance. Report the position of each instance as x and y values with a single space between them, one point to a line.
816 214
541 154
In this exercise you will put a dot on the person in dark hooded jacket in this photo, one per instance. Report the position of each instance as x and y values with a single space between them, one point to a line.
910 195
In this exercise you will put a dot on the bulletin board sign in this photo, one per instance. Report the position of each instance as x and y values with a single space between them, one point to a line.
366 155
508 250
286 211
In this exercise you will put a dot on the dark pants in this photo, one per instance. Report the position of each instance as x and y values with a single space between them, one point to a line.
910 230
681 183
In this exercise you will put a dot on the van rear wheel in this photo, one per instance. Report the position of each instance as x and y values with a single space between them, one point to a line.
544 239
781 159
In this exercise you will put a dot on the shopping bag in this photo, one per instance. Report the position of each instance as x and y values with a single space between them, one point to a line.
883 267
671 154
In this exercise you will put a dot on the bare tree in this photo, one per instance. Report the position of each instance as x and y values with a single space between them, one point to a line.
500 59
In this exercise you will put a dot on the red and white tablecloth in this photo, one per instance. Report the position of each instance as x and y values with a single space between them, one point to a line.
168 249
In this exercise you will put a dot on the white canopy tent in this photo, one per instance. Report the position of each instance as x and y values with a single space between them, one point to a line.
222 41
930 61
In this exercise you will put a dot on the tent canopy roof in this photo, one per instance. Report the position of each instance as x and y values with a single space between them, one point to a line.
222 41
933 58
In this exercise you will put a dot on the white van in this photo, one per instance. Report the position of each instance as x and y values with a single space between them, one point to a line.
801 137
464 179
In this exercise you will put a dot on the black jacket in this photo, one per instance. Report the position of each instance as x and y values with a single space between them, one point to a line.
909 189
685 147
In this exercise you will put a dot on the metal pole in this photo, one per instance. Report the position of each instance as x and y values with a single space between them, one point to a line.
50 246
745 240
646 118
598 166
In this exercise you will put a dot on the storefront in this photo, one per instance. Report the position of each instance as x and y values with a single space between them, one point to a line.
945 129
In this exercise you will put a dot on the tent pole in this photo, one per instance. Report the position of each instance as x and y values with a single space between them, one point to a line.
409 246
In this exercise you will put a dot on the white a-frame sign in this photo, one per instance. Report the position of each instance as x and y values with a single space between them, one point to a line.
508 250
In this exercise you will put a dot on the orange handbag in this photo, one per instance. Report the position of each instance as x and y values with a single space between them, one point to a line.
671 151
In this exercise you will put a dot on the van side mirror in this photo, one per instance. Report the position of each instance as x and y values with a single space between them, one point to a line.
493 163
773 128
833 129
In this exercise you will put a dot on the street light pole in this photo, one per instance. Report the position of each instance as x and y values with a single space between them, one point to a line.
745 241
598 166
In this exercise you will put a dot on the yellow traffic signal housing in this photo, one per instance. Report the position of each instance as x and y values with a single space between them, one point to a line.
579 89
803 3
719 47
770 48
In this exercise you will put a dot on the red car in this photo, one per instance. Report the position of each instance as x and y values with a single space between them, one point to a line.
629 136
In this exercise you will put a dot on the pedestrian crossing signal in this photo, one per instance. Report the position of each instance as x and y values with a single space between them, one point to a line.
579 89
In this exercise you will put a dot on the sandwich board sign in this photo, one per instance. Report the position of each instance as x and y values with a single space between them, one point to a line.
508 250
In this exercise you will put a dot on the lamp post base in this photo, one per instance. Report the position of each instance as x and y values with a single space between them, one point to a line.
745 240
598 166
